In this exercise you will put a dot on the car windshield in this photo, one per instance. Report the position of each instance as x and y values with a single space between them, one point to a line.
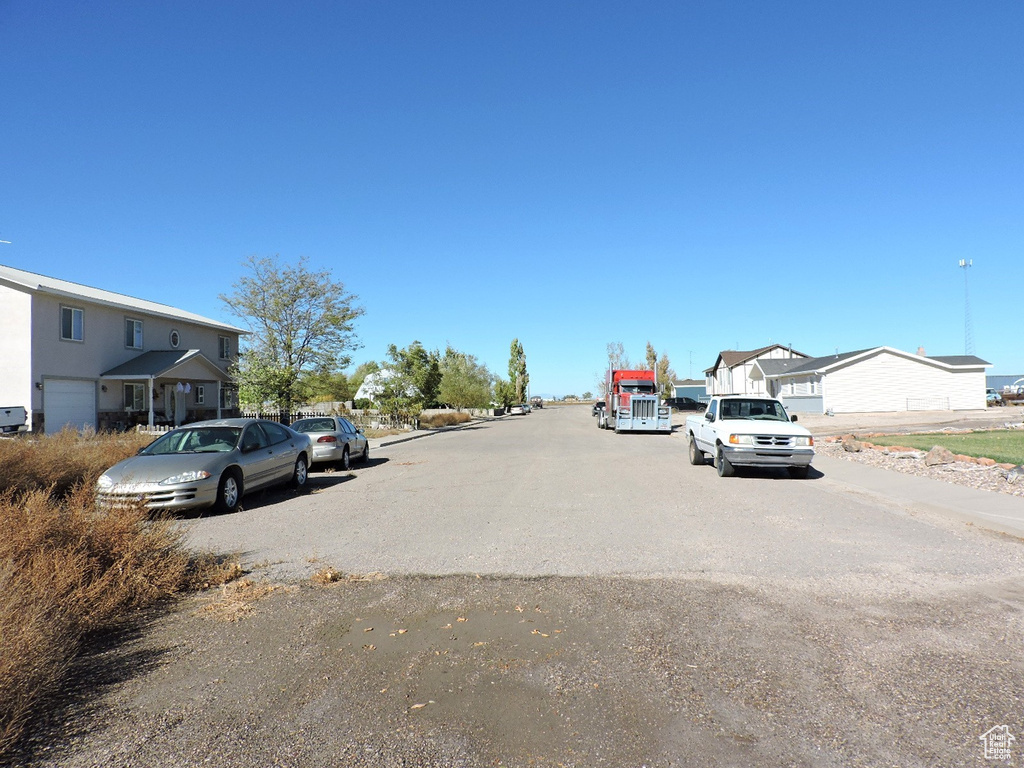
314 425
761 410
195 440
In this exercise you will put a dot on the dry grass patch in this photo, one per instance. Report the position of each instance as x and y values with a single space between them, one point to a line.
70 571
237 599
60 462
451 419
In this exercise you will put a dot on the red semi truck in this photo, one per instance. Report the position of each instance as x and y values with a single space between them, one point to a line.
632 403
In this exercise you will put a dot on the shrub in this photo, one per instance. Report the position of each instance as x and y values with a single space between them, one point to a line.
69 571
60 462
445 420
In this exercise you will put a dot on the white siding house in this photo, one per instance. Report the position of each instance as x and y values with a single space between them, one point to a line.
876 380
89 358
735 372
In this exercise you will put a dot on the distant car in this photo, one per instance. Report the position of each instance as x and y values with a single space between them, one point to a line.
516 410
598 406
683 403
208 464
336 440
527 408
992 397
537 402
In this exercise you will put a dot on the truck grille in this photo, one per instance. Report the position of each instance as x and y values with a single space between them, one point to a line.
643 409
772 441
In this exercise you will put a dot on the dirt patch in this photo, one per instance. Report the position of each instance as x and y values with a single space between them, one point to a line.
464 671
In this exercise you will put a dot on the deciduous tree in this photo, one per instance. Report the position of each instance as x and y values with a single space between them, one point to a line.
465 383
300 321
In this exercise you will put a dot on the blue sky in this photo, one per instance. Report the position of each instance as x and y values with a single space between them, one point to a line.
700 175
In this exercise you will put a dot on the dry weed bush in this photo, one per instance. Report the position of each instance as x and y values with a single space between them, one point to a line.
69 570
64 460
445 420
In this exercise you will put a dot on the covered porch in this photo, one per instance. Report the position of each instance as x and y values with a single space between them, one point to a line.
166 387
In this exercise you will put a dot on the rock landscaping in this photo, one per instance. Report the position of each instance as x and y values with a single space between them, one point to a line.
939 463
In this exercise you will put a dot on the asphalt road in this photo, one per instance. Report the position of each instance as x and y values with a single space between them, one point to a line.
540 592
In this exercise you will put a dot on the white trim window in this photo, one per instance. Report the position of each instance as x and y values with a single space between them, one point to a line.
200 394
224 347
135 397
227 398
132 333
72 324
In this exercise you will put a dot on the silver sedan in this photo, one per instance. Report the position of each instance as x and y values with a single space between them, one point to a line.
336 440
208 464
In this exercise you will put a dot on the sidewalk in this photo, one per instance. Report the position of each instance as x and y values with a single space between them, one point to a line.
998 512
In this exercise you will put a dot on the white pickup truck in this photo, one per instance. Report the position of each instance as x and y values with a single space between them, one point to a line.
12 418
749 431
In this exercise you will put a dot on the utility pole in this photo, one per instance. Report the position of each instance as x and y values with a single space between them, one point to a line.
966 264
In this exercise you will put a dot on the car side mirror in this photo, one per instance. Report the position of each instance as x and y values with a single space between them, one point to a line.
708 416
793 417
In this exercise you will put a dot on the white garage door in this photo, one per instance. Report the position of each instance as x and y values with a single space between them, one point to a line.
68 403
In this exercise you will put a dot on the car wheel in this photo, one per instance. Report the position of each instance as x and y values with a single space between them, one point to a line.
696 454
301 474
366 453
229 492
724 466
799 473
346 461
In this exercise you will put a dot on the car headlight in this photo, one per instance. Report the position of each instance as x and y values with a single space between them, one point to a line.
741 439
805 442
105 482
186 477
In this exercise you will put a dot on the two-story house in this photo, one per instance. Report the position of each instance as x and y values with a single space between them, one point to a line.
735 372
88 358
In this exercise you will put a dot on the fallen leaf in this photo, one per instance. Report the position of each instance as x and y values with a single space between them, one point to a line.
417 706
368 629
402 631
462 618
369 647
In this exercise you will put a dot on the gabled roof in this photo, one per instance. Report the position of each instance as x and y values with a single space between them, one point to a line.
780 368
159 364
28 281
732 357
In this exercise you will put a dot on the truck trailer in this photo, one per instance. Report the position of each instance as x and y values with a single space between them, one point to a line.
632 403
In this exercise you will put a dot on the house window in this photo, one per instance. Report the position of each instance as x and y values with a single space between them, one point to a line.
227 398
72 324
134 397
175 339
133 334
225 347
200 394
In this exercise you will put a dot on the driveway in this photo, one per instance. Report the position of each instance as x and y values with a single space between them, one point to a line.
535 591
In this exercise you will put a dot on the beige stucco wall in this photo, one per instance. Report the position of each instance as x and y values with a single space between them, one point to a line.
103 345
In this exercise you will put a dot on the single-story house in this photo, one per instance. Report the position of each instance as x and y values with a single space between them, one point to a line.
85 357
875 380
732 373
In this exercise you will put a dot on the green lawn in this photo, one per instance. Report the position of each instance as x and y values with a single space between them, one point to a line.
1005 446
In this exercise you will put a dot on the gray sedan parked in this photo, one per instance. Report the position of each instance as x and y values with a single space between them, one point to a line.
336 440
209 463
